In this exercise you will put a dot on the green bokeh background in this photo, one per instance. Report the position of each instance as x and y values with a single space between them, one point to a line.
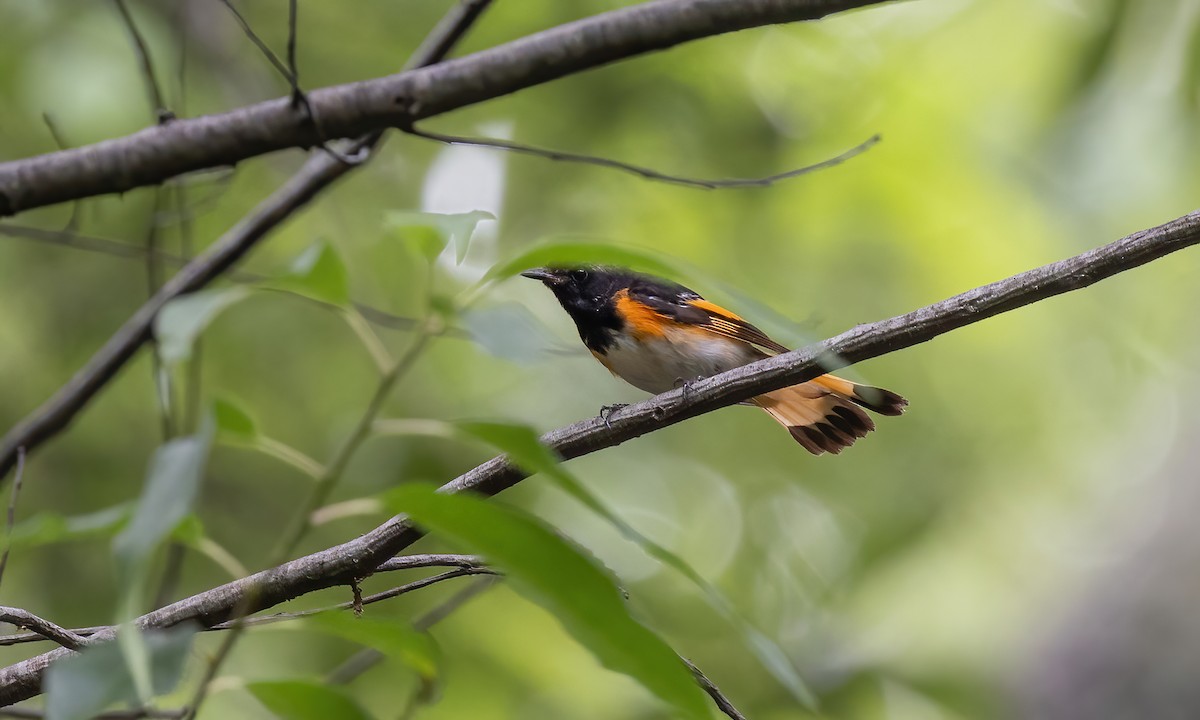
915 576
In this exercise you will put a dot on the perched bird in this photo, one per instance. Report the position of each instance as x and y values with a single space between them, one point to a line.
656 334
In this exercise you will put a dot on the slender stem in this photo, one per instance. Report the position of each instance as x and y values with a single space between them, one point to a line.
316 498
360 326
145 64
222 557
290 455
11 517
362 430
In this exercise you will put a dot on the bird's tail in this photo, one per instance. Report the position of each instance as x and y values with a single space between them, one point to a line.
825 414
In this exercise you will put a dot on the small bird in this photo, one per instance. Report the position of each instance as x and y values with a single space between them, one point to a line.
655 334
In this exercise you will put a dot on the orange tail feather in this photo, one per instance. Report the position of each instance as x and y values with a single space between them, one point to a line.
823 414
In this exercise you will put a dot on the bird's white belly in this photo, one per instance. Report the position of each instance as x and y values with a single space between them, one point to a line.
658 364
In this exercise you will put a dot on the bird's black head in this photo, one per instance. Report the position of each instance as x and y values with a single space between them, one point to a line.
581 288
586 292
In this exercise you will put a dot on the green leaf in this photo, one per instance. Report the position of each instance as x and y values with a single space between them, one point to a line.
171 486
318 273
507 330
189 531
81 686
431 232
181 321
519 442
306 700
581 253
46 528
525 449
560 577
234 423
394 638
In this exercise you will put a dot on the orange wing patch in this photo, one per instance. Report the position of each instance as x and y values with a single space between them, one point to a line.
723 322
714 309
641 319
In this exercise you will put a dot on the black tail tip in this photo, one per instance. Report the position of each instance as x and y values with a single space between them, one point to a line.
884 402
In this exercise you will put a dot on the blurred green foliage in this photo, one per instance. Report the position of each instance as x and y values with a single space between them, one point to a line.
911 577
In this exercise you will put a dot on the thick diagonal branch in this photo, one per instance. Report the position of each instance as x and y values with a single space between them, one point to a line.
341 564
156 154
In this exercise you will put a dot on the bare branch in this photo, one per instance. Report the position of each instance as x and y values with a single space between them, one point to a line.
159 107
45 628
472 563
341 564
152 155
639 170
318 173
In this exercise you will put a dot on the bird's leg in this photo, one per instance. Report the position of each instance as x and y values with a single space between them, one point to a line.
608 410
686 386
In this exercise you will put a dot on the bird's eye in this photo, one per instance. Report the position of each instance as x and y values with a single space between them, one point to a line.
579 275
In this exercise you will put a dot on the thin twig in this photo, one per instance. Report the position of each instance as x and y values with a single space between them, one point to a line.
408 562
640 171
365 659
237 626
339 564
158 106
298 98
265 49
405 562
366 599
11 518
293 72
723 703
45 628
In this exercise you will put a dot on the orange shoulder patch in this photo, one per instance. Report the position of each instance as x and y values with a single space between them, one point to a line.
713 308
643 322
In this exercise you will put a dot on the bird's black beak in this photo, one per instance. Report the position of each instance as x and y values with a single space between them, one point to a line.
546 275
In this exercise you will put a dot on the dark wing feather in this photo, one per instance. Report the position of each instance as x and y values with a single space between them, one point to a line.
685 306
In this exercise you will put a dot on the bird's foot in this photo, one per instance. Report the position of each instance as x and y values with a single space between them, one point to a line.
608 410
686 387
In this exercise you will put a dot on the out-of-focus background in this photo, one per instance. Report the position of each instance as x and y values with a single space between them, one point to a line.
1019 537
